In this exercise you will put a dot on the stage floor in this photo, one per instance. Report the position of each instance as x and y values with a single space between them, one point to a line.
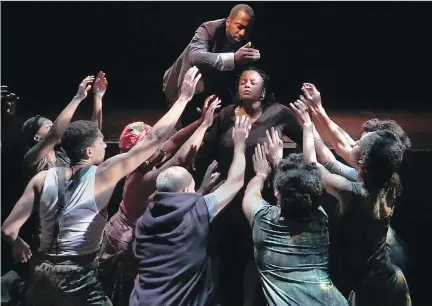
417 125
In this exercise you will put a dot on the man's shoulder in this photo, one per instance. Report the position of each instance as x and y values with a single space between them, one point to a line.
214 24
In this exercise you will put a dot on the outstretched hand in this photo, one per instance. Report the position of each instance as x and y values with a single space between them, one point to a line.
273 147
100 85
210 179
301 113
84 87
313 96
189 83
240 131
209 116
246 54
261 166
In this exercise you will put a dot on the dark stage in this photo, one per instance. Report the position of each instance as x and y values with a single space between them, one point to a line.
369 59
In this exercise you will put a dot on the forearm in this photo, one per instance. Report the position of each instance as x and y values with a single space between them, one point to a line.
323 153
337 139
179 138
194 141
256 185
65 117
97 111
236 171
165 125
308 143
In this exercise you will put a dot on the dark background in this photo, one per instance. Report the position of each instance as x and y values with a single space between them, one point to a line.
365 56
369 55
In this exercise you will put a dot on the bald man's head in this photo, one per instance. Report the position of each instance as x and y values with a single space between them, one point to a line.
175 179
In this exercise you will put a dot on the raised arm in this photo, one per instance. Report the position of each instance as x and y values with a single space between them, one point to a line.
337 139
183 155
199 54
235 180
336 185
99 89
178 139
115 168
45 145
253 195
19 215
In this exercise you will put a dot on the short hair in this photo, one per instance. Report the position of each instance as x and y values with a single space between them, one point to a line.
375 124
269 97
79 135
382 154
173 179
299 185
242 8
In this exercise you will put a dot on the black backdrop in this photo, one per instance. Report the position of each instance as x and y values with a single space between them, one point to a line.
360 54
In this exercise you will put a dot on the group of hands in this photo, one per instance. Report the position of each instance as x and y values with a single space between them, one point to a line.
99 86
269 153
9 99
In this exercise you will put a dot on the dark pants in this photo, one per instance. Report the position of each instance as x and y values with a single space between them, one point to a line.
117 263
65 281
231 248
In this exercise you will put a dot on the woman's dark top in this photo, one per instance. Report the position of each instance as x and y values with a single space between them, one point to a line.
218 143
375 280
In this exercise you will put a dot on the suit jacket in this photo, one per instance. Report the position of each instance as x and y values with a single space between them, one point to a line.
203 51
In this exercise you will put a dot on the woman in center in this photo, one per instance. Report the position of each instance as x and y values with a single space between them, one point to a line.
230 240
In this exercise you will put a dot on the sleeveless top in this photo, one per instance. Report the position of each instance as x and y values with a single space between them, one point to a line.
81 224
363 239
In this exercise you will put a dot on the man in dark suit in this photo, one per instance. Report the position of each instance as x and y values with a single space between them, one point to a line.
219 50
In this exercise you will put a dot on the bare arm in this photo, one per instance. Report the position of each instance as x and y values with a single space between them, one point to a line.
253 191
184 154
115 168
337 139
336 136
179 138
336 185
99 90
23 208
45 145
235 180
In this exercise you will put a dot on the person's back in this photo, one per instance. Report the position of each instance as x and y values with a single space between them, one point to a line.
292 257
291 238
171 249
375 279
81 223
73 247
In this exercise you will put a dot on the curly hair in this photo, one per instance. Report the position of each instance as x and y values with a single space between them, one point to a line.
382 154
269 97
79 135
299 185
375 124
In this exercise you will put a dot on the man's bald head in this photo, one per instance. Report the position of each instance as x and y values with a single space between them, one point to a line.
175 179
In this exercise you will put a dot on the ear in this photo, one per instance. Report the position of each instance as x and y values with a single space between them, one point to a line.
227 22
263 94
36 138
88 153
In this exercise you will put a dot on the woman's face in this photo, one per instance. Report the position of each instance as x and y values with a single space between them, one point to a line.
251 86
